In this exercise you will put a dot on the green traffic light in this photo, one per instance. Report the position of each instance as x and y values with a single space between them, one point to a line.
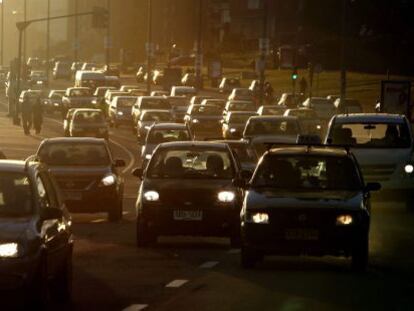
294 77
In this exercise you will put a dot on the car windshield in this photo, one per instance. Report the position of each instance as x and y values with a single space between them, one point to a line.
191 163
74 154
241 92
154 104
237 106
299 172
239 118
233 82
163 136
178 102
244 153
372 135
303 113
156 116
271 127
206 111
273 110
88 117
80 93
15 195
126 102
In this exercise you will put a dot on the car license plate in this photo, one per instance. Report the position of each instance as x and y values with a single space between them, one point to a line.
188 215
73 196
302 234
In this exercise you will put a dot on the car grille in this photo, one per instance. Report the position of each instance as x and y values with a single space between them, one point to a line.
375 173
194 199
78 183
302 218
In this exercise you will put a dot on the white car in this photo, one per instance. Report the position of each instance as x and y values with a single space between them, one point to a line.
383 146
187 91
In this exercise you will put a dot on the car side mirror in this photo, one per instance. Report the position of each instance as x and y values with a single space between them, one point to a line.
51 214
372 186
138 172
119 163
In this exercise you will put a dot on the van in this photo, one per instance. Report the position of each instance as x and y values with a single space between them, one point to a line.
91 79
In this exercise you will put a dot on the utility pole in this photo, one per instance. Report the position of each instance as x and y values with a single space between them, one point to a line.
343 50
2 33
48 40
76 43
149 48
108 41
24 33
199 53
264 43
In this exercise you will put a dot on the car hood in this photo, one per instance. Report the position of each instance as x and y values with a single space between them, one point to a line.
268 198
79 170
13 229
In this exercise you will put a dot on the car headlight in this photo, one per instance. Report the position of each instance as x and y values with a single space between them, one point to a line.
318 127
409 168
151 196
344 220
195 121
108 180
260 218
232 130
120 113
39 82
147 156
56 104
9 250
226 196
94 101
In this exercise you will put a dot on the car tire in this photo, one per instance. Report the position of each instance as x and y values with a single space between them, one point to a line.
144 237
115 214
360 255
248 258
62 284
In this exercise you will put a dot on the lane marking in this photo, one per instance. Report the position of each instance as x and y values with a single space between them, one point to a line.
209 264
97 221
135 307
176 283
234 251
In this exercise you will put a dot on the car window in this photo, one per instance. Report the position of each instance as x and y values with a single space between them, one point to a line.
194 163
126 102
15 194
272 127
162 136
74 154
80 93
372 135
156 116
239 118
235 106
43 194
206 110
154 104
88 117
298 172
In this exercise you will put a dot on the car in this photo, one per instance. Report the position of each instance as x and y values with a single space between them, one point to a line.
239 105
306 200
61 70
35 63
197 99
204 120
322 106
148 102
120 110
228 84
160 93
179 107
53 102
187 91
244 154
127 87
332 98
233 123
255 87
290 100
111 94
348 105
87 174
88 123
383 146
36 236
139 77
219 103
308 119
148 118
271 110
112 81
241 94
189 188
189 79
140 92
77 97
111 70
262 130
100 92
66 121
75 67
38 78
161 133
89 66
158 77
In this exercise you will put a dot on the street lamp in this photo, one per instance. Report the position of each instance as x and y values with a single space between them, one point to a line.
2 33
48 40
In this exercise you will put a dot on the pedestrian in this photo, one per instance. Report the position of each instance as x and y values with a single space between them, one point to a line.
26 111
37 112
303 86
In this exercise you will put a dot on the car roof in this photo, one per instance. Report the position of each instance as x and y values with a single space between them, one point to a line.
309 150
370 117
189 144
87 110
147 111
69 140
269 118
248 113
169 126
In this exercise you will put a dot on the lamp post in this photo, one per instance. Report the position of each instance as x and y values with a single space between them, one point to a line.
76 43
343 50
149 47
108 40
24 31
2 33
48 40
199 53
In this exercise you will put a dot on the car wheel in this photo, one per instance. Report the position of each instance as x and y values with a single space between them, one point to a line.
144 237
39 288
62 284
248 258
115 214
360 256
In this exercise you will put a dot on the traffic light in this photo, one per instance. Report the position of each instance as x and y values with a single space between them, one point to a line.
100 17
295 74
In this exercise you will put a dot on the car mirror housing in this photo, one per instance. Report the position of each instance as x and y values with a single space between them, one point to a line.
119 163
138 172
374 186
51 214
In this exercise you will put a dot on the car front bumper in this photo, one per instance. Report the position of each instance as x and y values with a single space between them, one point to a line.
92 201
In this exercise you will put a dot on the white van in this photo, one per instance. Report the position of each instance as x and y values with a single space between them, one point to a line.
91 79
383 146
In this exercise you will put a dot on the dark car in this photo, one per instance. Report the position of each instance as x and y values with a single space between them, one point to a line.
204 120
305 200
86 173
36 237
189 188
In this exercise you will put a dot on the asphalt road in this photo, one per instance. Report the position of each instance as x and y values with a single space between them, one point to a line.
110 273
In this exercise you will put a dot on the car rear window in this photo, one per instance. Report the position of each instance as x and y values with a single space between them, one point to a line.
271 127
163 136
